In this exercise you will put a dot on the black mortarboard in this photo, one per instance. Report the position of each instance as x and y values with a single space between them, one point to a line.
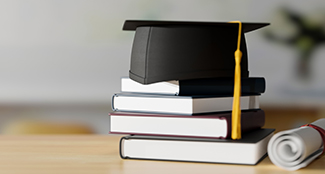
171 50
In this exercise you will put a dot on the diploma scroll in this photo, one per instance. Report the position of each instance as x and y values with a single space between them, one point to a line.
296 148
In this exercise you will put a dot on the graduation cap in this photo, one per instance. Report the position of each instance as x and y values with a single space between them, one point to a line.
172 50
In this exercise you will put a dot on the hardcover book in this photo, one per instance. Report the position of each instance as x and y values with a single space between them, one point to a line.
251 149
179 104
217 125
210 86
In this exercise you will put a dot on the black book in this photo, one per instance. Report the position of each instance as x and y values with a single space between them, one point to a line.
210 86
251 149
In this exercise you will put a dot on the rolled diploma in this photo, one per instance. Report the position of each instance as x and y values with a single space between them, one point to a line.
296 148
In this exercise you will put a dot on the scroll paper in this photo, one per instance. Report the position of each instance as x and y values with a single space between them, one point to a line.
296 148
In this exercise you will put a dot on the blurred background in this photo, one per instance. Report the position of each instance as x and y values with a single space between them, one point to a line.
61 60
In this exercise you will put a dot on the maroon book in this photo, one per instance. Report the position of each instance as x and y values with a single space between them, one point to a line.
216 125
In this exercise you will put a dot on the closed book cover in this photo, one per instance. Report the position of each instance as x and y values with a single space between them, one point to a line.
249 150
209 86
217 86
216 125
179 104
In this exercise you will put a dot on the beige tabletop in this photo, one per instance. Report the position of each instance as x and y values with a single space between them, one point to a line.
97 154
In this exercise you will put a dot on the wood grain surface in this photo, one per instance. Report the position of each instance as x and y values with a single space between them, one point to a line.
97 154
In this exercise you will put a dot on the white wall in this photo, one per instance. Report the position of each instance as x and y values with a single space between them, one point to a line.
74 51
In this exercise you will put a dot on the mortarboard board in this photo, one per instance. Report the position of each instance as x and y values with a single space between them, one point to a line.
172 50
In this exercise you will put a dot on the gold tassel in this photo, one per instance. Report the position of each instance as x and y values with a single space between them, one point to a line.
236 112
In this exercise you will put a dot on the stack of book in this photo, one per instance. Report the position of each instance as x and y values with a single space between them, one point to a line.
189 120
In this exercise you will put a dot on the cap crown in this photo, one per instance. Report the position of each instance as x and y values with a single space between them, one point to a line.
165 51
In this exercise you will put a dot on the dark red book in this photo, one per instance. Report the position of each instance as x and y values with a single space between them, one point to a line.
217 125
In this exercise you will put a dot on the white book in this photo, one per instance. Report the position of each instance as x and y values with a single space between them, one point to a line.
179 104
215 125
249 150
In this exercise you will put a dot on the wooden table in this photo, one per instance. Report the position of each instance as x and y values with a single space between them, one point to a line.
97 154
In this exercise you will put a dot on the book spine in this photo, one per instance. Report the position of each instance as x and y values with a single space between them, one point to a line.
223 86
121 145
112 103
